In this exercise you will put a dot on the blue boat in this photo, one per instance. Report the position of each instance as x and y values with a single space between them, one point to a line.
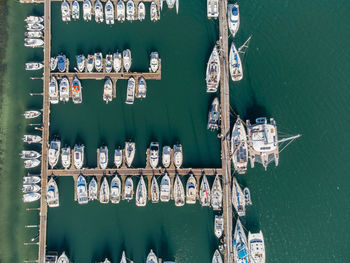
61 63
240 248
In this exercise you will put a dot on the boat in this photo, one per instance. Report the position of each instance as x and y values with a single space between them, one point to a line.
240 246
115 190
61 63
217 257
165 188
63 258
213 8
239 147
129 153
204 192
98 61
33 42
128 189
30 197
64 89
109 63
93 189
90 63
31 114
154 154
154 190
127 60
104 191
31 163
118 157
178 157
154 12
36 27
34 34
235 64
256 246
31 139
130 91
154 62
179 192
33 66
141 88
109 13
117 61
191 190
123 259
52 194
233 18
53 63
218 226
214 115
238 200
82 194
121 11
141 193
30 188
108 90
130 10
166 156
53 91
33 19
141 11
151 258
78 156
77 90
103 157
75 10
87 8
213 71
247 198
98 11
65 11
66 157
54 152
216 194
30 155
31 179
80 62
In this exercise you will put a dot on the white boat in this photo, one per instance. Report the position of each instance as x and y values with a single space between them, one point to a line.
61 62
233 18
118 157
256 246
238 200
123 259
33 19
247 198
65 11
63 258
54 152
66 157
98 11
115 190
121 11
212 8
127 60
217 257
236 69
130 10
78 156
240 246
218 226
30 188
104 191
36 27
213 71
109 13
179 192
128 189
204 193
117 61
30 155
154 154
80 62
31 163
130 91
239 147
141 11
98 61
90 63
53 91
64 89
109 63
103 157
34 34
108 90
77 90
33 42
33 66
151 258
53 63
166 156
31 179
214 115
154 12
75 10
30 197
154 190
87 8
178 156
216 194
52 194
31 114
154 62
141 88
191 190
106 261
165 188
93 189
31 139
129 153
141 193
82 193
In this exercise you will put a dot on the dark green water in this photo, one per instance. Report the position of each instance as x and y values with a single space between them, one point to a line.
295 71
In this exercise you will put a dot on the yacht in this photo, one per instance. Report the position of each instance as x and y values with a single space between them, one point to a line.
204 193
109 13
165 188
30 155
127 60
239 147
93 189
128 189
154 190
104 191
33 66
235 64
166 156
118 157
247 198
52 194
233 18
213 8
179 192
34 34
256 246
78 156
130 91
123 259
151 258
61 63
53 63
154 62
117 61
130 10
31 179
31 114
108 90
63 258
33 42
178 157
54 152
121 11
53 91
82 193
141 88
217 257
240 247
106 261
36 27
66 157
87 8
30 188
98 61
191 190
218 226
77 90
30 197
238 198
115 190
80 62
75 10
216 194
90 63
31 163
141 193
31 139
33 19
154 154
98 11
103 157
154 12
129 153
214 115
65 11
64 89
109 63
213 71
141 11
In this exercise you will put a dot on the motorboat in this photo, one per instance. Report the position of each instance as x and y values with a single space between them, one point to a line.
123 259
236 69
78 156
130 150
103 157
217 257
178 157
36 27
80 62
179 192
141 11
213 71
34 34
130 91
31 114
165 188
33 66
109 63
65 11
77 90
30 188
218 226
216 194
90 63
64 89
31 139
121 11
30 197
128 189
130 10
93 189
256 246
166 156
98 11
33 42
154 62
66 157
151 258
154 190
30 155
238 200
108 90
75 10
247 198
31 163
141 88
213 8
141 193
239 147
33 19
233 18
117 61
214 115
191 190
87 10
154 154
53 63
118 157
98 61
240 246
109 12
63 258
31 179
52 194
115 190
154 12
82 193
54 152
53 91
61 63
104 191
127 60
204 192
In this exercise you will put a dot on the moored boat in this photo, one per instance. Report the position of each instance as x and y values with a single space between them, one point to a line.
30 155
53 91
64 89
165 188
108 90
121 11
77 90
123 259
117 61
218 226
212 8
240 245
87 8
204 193
52 194
30 197
82 193
154 62
213 71
233 18
31 163
141 88
191 190
217 257
33 19
30 188
90 63
154 190
31 139
80 62
256 246
104 191
130 10
34 34
178 156
109 12
75 10
247 198
109 63
154 154
61 63
93 189
78 156
128 189
214 115
33 42
34 66
130 91
239 147
238 200
63 258
129 153
216 194
151 258
118 157
103 157
166 156
36 27
179 192
98 61
127 60
31 114
236 69
53 63
31 179
66 157
154 12
141 11
54 152
141 192
65 11
115 190
98 11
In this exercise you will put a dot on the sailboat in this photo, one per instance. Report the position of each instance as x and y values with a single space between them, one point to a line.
103 157
52 194
118 157
179 192
247 198
236 69
154 190
108 90
81 189
151 258
204 193
104 191
66 157
256 247
141 193
217 257
128 189
239 147
123 259
78 156
63 258
238 200
240 246
213 71
165 188
93 189
130 150
115 190
233 18
216 194
191 190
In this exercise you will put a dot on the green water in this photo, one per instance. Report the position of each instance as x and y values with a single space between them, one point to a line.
295 71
